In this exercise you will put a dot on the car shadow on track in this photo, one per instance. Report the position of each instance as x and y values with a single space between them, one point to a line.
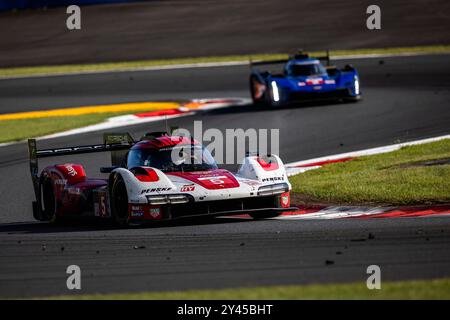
90 225
262 108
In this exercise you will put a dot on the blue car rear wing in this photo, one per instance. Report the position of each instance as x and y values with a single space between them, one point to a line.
299 55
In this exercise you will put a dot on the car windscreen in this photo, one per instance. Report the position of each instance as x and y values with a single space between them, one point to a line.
306 70
170 159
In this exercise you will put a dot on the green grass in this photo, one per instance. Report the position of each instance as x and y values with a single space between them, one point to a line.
385 179
423 289
115 66
16 130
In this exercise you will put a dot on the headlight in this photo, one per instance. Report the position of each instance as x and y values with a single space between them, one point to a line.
166 199
356 85
275 92
273 189
178 198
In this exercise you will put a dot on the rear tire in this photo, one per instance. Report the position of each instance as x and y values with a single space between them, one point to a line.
257 101
119 202
48 201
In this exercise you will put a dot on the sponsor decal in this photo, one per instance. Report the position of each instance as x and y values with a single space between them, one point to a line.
137 211
285 200
145 212
151 190
102 205
70 170
155 212
215 179
313 82
74 191
331 81
187 188
272 179
137 214
220 179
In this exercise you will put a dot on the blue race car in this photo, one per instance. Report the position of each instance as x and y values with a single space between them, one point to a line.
303 79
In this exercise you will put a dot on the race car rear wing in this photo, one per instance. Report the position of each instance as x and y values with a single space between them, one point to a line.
116 143
266 62
299 55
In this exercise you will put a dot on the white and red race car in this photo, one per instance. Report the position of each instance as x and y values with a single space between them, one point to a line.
146 184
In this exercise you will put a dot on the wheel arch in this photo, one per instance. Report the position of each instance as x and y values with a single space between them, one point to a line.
129 179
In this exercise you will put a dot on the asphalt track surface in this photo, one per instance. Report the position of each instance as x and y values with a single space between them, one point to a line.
404 99
199 28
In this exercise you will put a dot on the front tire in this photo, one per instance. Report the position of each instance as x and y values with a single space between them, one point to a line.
119 202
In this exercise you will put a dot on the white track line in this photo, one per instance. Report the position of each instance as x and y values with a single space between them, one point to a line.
211 65
340 212
336 213
292 168
115 122
130 119
132 69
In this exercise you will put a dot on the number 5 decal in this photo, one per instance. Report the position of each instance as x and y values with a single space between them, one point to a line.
215 180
